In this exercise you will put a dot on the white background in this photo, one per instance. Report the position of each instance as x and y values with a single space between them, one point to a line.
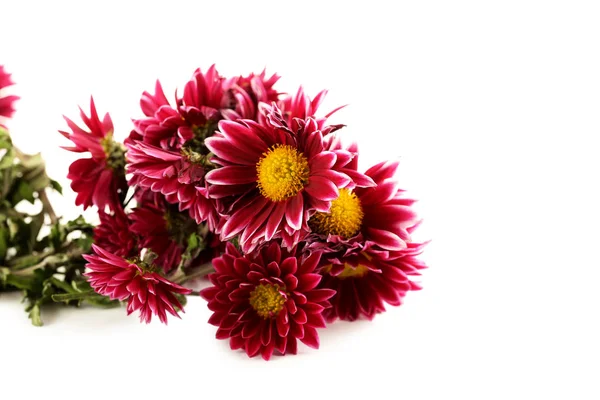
493 108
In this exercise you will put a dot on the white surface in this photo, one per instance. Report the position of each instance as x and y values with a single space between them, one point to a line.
493 107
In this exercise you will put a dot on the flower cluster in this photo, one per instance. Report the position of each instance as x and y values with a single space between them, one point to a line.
7 107
257 183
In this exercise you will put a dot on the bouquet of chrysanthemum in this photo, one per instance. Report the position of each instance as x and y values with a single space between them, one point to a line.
248 186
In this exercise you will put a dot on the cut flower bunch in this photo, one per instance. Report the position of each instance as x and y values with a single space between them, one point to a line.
230 180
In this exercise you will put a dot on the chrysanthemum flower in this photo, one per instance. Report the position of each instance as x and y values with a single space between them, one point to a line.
179 177
246 93
369 256
114 234
301 106
273 178
98 180
143 288
150 224
266 300
167 152
161 122
6 102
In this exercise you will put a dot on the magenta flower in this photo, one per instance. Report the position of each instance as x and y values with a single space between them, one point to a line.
270 179
368 254
166 150
7 103
266 300
179 177
302 107
149 223
99 180
246 93
143 288
114 234
159 127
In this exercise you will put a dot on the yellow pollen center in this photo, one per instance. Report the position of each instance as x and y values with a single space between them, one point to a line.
343 219
282 173
267 300
349 271
357 272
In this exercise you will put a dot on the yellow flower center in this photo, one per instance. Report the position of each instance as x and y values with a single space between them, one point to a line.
115 152
349 271
357 272
267 300
282 172
343 219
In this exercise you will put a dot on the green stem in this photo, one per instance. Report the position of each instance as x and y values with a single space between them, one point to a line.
47 206
74 296
199 272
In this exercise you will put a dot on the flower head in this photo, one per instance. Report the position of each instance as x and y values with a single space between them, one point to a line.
177 176
247 93
98 180
114 234
166 150
270 179
143 288
6 102
301 106
150 224
161 122
368 254
266 300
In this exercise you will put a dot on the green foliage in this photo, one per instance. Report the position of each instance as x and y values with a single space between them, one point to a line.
39 254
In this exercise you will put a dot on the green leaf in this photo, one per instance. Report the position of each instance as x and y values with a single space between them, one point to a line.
4 272
193 242
62 285
73 296
4 237
37 221
102 302
34 315
21 282
24 192
57 235
8 159
23 262
56 186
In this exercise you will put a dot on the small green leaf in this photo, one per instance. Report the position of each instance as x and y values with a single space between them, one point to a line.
8 159
37 221
24 191
34 315
193 242
56 186
62 285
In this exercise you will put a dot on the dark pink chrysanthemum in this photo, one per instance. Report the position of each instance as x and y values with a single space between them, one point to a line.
98 180
246 93
149 223
144 289
300 106
161 122
114 234
7 103
270 179
369 256
174 175
166 150
370 278
266 300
